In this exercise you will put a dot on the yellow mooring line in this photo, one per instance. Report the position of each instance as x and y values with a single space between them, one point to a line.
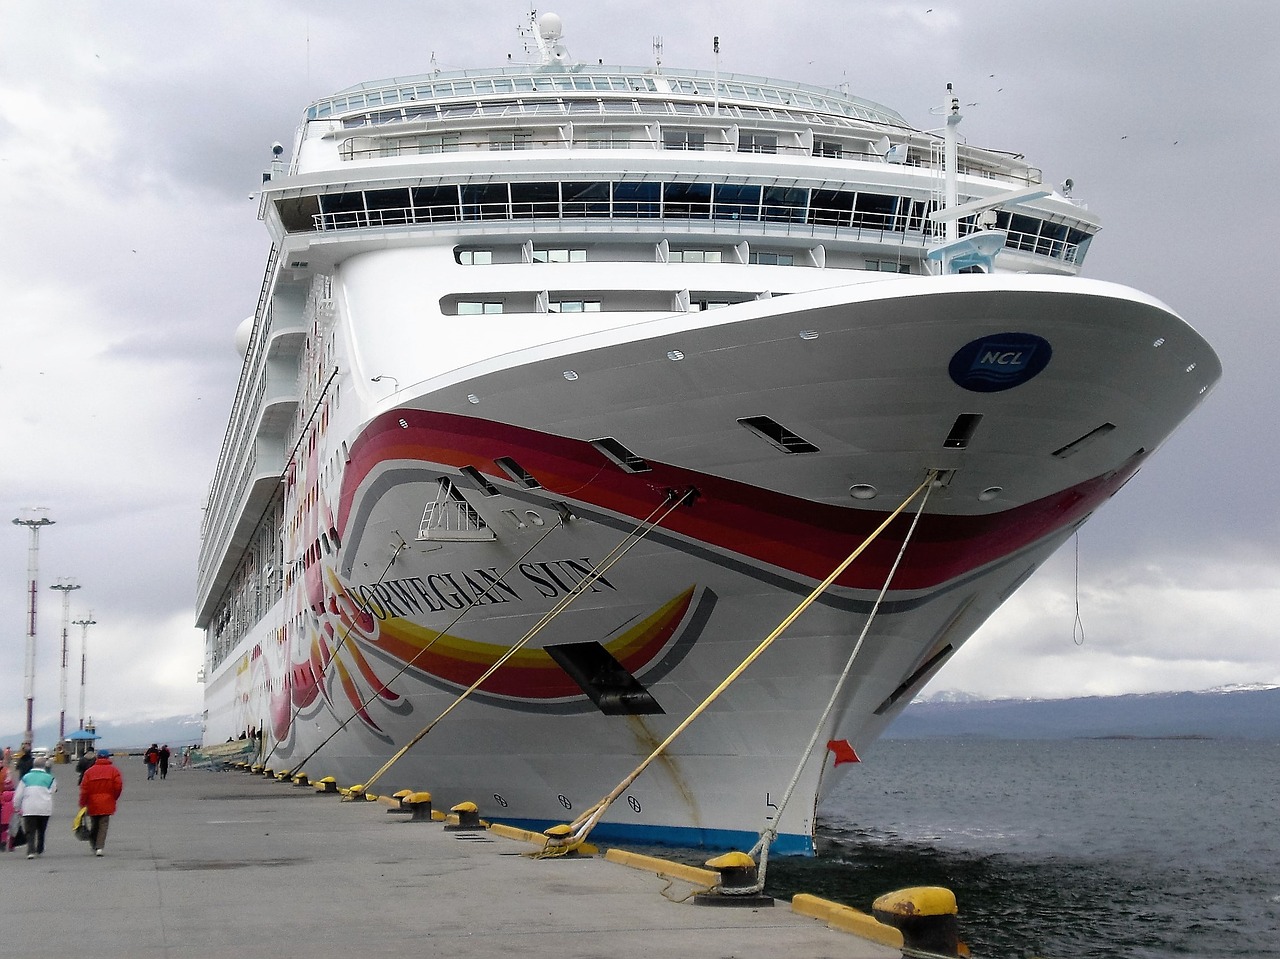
563 840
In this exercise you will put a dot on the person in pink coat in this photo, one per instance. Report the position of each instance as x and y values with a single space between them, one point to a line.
7 786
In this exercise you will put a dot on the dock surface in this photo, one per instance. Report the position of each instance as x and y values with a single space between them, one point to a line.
222 864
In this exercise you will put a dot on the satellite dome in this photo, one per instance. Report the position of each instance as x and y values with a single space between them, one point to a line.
550 26
243 332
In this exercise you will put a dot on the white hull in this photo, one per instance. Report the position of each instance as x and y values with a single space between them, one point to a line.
738 559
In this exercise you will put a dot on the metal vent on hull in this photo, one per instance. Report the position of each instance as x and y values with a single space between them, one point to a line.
962 431
517 472
620 455
1075 446
605 680
777 434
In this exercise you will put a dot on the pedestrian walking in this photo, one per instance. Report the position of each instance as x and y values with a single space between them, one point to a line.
152 759
25 761
34 800
99 790
164 761
7 787
83 763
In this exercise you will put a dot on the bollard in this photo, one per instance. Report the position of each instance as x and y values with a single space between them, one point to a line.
327 785
420 806
400 806
300 779
925 915
739 877
468 817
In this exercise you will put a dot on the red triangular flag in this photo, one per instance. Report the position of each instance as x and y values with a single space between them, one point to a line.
843 751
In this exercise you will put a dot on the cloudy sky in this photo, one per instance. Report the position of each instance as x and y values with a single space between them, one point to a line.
132 135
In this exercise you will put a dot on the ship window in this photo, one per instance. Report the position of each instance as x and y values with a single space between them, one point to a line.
585 199
696 256
773 259
684 139
559 256
298 214
510 139
750 142
573 306
875 210
827 148
831 207
888 266
734 202
777 434
691 200
479 480
432 203
475 257
517 472
962 431
603 139
387 206
535 199
637 199
487 201
620 455
785 204
478 307
342 209
434 143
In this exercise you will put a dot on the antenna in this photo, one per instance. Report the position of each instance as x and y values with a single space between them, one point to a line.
657 53
715 48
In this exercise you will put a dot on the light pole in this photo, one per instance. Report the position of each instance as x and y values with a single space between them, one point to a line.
65 587
32 522
84 625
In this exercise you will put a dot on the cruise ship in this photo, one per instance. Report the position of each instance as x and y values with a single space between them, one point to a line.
573 388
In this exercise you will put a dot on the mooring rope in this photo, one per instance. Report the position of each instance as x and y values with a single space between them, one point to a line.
770 832
673 501
581 827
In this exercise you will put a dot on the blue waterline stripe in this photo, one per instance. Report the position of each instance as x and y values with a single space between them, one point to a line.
787 844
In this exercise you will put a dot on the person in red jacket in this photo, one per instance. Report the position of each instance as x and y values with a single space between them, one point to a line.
99 790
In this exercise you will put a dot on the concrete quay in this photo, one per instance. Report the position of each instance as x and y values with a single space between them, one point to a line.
222 864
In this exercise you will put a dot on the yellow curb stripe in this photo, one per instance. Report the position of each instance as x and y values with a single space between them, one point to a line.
846 919
664 867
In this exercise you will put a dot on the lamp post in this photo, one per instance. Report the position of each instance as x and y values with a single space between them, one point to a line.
84 625
33 523
65 587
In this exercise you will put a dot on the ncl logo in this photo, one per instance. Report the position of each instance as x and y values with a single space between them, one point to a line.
1001 362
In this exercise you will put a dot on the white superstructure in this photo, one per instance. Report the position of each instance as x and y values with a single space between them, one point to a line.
512 314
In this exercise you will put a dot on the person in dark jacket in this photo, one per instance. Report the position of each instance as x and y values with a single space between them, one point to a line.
25 761
152 759
83 763
164 761
99 790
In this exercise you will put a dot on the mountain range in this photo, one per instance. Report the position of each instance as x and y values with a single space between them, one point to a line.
1228 713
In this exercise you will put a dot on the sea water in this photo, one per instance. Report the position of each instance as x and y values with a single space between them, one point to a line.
1076 848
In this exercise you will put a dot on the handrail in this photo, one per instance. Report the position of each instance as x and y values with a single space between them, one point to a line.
838 222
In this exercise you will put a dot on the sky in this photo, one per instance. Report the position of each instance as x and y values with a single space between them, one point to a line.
133 137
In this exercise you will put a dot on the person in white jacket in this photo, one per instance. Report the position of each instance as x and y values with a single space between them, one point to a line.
33 799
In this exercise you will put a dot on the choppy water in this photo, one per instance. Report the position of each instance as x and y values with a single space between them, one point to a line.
1085 848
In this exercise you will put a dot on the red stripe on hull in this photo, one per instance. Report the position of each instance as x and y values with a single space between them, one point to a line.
795 534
